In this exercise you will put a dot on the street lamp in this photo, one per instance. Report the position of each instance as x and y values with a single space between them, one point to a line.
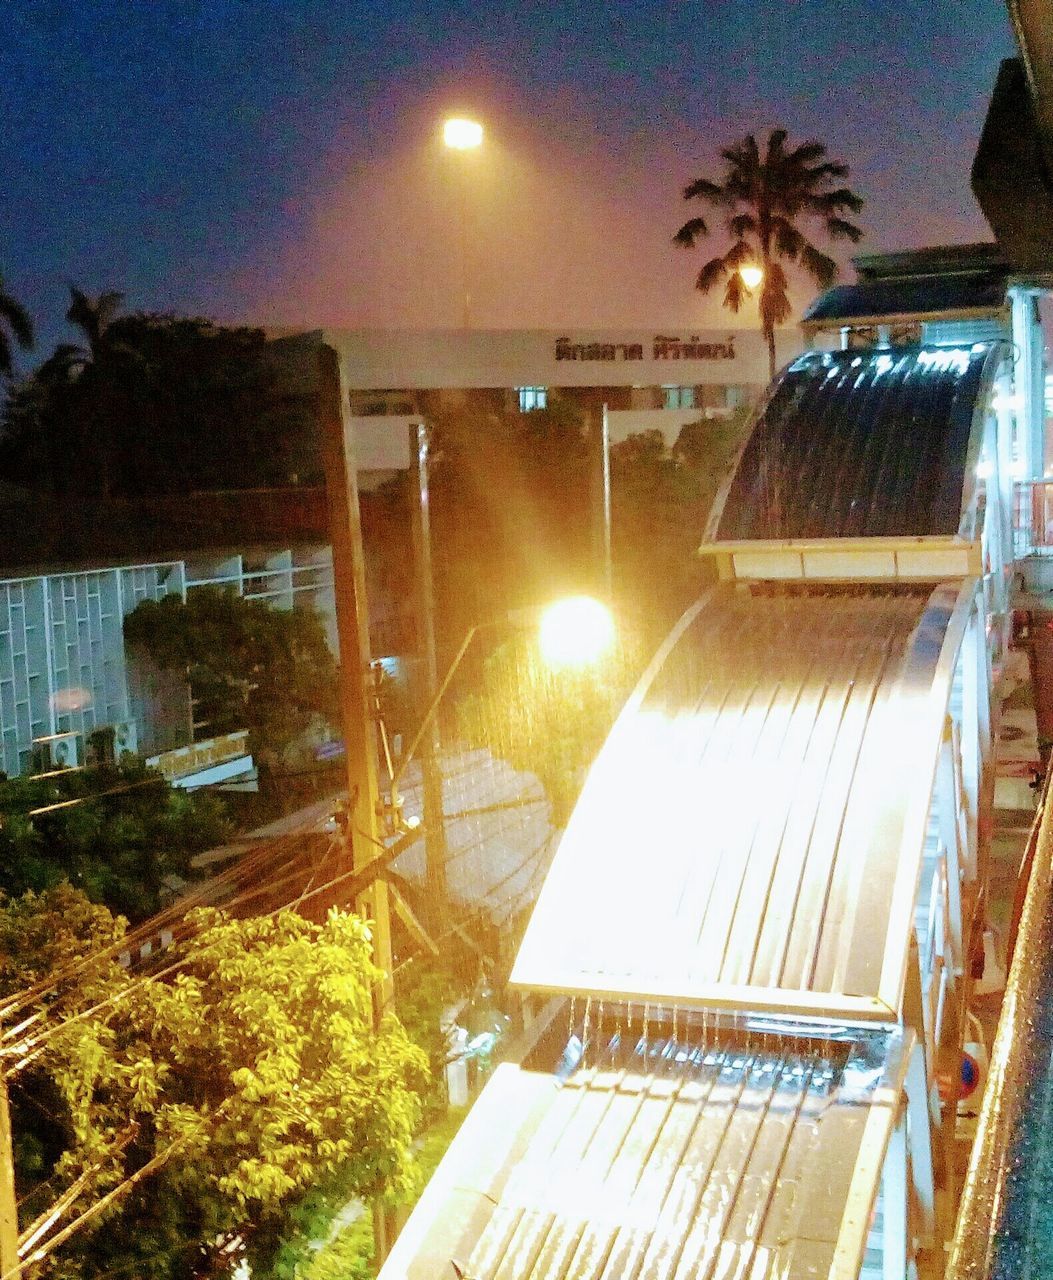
461 134
575 632
751 275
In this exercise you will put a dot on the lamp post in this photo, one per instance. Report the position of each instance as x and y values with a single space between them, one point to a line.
460 134
752 276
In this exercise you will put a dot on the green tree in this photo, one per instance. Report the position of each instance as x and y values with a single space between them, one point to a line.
509 511
256 1073
250 666
174 403
14 324
661 498
125 839
549 723
764 198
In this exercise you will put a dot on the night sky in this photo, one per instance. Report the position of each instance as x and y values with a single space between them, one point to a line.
279 160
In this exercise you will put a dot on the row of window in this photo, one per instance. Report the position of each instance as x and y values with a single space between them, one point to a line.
673 397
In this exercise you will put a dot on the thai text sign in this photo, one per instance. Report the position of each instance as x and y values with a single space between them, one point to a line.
663 347
200 755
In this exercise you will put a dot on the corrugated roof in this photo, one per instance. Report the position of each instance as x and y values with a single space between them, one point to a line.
919 296
862 444
677 1158
744 835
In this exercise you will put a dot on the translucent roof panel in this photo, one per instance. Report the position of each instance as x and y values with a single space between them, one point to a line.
751 833
665 1159
872 443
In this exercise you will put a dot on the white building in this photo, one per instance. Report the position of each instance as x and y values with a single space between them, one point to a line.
66 675
653 379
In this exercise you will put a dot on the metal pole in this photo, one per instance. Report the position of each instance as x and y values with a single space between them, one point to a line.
462 182
605 471
428 680
352 620
600 485
8 1203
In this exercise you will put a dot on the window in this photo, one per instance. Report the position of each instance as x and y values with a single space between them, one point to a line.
678 397
532 398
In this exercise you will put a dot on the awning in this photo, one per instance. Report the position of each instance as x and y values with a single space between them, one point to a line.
681 1158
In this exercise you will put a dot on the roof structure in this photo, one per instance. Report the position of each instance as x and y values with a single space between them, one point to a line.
863 444
752 833
676 1157
944 281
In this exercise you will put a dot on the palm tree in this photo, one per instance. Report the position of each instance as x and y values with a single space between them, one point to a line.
764 199
13 317
93 316
87 366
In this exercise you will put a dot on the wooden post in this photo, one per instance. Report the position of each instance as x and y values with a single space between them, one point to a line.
428 682
8 1202
352 620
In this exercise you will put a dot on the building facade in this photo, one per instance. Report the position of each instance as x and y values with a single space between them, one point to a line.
68 684
654 379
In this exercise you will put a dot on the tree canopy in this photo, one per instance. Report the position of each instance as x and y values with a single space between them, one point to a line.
250 666
252 1074
763 198
14 324
149 404
124 838
510 510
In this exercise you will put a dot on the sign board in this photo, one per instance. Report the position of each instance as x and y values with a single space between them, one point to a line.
200 755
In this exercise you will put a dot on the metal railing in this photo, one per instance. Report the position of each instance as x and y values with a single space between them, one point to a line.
1033 518
986 1241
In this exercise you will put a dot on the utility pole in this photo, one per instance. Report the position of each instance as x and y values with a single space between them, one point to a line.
352 620
8 1202
599 442
428 681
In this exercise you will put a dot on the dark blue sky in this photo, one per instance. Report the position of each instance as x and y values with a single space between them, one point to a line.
279 160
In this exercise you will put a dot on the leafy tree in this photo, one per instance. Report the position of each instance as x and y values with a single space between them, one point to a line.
256 1072
509 511
549 723
763 198
174 404
122 849
250 666
660 504
14 323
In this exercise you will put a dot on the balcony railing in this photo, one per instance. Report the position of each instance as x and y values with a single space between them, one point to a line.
1033 518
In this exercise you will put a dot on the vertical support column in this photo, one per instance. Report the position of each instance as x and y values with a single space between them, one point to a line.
352 618
8 1202
428 680
1030 379
894 1204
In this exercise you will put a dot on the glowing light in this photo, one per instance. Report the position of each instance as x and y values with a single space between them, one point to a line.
1017 470
751 274
945 359
461 134
882 365
984 469
1007 404
576 632
71 698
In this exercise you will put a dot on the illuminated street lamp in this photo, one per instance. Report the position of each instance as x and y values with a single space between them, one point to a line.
460 134
575 632
751 275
